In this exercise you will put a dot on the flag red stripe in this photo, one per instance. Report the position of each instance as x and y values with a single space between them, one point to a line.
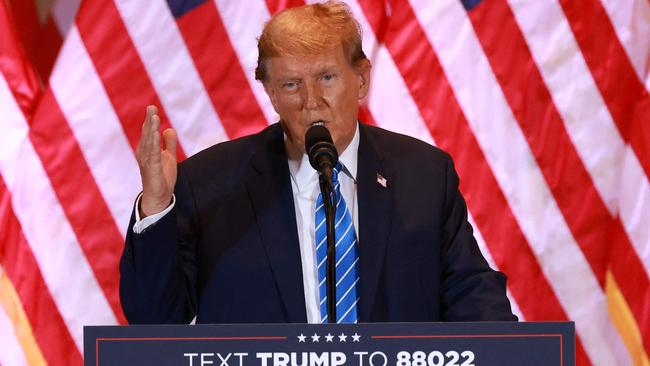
583 208
48 47
626 97
27 22
435 99
15 66
85 209
220 71
366 116
278 5
41 41
378 19
49 329
564 171
119 67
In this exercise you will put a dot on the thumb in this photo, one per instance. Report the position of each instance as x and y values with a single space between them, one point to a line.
169 135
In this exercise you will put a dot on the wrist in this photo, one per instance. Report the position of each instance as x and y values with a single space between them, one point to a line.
152 207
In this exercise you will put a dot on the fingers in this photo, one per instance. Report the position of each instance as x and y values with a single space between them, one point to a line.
154 136
148 149
146 125
157 167
152 109
169 135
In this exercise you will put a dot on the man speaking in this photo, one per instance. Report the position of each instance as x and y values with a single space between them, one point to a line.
238 232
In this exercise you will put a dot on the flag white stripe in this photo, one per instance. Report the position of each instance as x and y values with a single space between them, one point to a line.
634 204
391 102
164 54
589 124
450 31
389 98
243 25
559 59
87 109
12 352
631 21
33 201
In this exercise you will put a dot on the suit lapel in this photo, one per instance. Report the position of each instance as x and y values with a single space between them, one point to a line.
375 212
269 188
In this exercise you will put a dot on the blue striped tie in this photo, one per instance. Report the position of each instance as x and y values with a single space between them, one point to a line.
347 258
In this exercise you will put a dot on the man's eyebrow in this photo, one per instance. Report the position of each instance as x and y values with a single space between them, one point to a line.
288 78
326 69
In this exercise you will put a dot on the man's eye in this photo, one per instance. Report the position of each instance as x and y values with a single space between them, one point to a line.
328 77
289 85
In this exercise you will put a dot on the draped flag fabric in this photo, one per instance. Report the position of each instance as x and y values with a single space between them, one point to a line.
543 105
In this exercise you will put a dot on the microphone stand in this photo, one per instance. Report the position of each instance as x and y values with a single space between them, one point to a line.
329 202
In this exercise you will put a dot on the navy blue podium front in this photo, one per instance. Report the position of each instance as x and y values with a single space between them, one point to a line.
396 344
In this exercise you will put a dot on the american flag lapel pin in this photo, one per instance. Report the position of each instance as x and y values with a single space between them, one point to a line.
381 180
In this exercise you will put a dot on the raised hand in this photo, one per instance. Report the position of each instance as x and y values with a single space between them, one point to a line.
157 166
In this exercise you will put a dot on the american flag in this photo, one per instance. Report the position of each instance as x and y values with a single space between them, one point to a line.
543 105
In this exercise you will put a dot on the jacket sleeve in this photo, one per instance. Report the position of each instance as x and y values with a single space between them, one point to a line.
471 290
158 266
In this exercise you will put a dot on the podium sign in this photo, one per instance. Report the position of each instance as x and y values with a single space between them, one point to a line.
394 344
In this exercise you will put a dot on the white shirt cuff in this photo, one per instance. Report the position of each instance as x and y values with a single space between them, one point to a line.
142 224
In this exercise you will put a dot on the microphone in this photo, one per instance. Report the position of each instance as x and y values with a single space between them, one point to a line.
321 150
323 157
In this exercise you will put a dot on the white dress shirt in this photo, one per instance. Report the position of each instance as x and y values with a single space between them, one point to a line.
304 183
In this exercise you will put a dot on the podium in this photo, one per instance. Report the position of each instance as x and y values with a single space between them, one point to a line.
371 344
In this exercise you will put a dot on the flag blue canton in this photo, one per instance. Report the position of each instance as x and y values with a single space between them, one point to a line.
180 7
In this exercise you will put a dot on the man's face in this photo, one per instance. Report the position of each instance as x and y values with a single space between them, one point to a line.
323 87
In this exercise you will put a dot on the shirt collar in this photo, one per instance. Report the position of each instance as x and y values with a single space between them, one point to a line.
304 175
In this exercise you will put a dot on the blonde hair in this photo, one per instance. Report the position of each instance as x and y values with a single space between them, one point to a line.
308 30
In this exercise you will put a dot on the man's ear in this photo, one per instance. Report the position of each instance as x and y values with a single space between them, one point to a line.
363 74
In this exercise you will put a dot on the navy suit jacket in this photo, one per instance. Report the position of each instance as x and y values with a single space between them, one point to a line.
228 252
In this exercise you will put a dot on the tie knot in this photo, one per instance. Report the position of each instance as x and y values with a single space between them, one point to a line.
335 173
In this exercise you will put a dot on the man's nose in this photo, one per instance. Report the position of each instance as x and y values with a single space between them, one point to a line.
312 96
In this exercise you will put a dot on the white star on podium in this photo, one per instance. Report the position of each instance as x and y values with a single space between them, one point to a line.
315 337
356 337
343 337
301 338
329 337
